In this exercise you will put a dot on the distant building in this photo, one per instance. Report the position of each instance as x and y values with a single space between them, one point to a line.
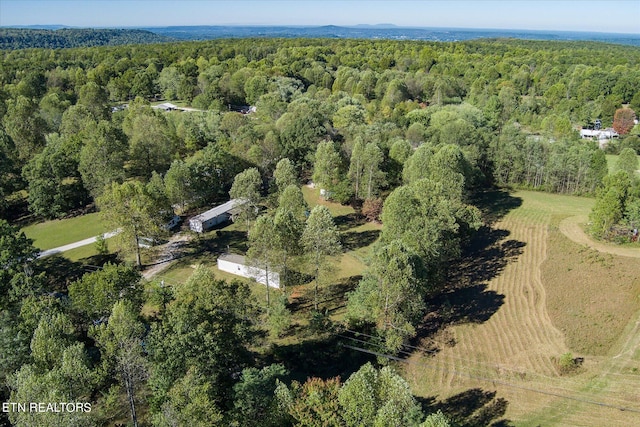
206 220
167 106
236 264
599 134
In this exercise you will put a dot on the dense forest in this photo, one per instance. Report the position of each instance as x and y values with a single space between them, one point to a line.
25 38
410 133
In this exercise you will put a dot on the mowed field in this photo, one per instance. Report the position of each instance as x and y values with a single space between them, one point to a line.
540 295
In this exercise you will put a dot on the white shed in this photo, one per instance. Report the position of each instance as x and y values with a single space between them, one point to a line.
212 217
236 264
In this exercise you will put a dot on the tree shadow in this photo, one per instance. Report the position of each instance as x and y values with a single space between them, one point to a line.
465 298
331 297
495 204
221 241
353 240
59 272
471 408
349 221
323 357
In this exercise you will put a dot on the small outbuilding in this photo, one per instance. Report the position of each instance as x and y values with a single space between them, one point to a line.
206 220
236 264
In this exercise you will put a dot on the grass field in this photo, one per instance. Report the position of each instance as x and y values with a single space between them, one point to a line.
540 296
51 234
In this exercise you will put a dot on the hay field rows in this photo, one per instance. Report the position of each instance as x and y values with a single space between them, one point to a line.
514 352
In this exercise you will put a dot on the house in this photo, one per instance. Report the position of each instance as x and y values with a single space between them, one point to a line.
167 106
236 264
206 220
599 133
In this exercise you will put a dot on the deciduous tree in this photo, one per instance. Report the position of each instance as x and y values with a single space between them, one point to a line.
320 239
246 186
623 120
130 208
121 344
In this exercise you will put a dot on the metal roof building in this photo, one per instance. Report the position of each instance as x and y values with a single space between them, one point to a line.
212 217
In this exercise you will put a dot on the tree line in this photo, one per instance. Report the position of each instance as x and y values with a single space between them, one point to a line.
25 38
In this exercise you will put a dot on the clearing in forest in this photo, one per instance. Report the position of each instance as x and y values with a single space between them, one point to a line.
524 296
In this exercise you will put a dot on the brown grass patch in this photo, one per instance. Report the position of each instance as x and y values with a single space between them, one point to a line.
591 296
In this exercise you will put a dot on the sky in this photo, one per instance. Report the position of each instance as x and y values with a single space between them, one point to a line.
614 16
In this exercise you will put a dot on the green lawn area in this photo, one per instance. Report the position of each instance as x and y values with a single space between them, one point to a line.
51 234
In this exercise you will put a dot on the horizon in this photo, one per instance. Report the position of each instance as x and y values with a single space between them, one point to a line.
524 15
355 26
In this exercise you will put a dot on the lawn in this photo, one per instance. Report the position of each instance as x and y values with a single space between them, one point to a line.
59 232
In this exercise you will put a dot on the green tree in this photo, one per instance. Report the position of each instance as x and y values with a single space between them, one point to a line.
356 166
10 179
254 403
391 295
69 381
610 204
627 161
314 403
25 128
55 187
430 221
52 106
301 127
177 182
320 239
120 341
292 200
280 318
246 186
378 398
130 208
285 175
150 145
207 326
102 158
373 177
95 293
327 166
437 419
262 252
289 222
16 258
189 403
95 98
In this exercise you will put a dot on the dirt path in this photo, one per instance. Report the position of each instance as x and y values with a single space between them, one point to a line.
571 227
169 252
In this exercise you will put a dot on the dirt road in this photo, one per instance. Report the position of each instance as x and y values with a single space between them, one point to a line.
572 228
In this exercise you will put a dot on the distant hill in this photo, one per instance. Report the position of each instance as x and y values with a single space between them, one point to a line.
22 38
383 31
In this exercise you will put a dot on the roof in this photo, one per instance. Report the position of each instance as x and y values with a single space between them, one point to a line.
166 106
601 134
218 210
238 259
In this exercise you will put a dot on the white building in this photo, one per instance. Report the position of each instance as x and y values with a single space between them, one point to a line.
598 134
235 264
213 217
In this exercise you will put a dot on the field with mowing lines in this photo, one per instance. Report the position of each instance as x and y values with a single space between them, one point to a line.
529 321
